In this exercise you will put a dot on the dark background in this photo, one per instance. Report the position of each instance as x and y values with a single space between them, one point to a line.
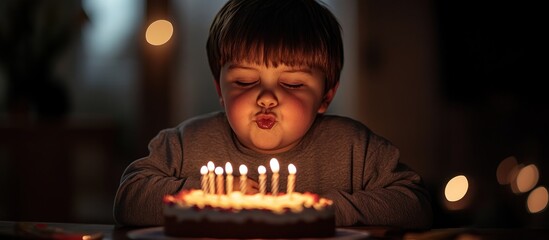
477 97
492 64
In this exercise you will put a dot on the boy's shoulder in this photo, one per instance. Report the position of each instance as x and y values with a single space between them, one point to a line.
200 128
206 118
341 123
206 122
349 128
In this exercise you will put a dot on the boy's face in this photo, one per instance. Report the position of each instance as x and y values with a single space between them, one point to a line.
271 108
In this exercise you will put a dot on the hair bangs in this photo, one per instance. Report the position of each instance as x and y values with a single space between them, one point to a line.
291 33
273 49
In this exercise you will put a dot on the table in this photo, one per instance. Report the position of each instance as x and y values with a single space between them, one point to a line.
111 232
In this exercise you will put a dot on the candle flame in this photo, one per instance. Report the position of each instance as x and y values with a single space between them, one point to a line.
261 169
203 170
292 169
243 169
218 171
228 168
274 165
211 166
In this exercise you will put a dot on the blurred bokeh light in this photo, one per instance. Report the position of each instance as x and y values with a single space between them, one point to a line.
456 188
537 200
159 32
505 168
527 178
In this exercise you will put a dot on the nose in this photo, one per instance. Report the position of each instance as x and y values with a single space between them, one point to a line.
267 99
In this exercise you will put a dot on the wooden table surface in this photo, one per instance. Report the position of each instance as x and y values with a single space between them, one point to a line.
24 230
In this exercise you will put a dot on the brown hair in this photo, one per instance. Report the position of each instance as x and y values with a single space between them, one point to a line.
290 32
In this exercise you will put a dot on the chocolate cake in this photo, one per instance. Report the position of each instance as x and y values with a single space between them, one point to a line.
193 213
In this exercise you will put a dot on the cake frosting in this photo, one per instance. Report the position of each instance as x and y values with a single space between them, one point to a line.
193 213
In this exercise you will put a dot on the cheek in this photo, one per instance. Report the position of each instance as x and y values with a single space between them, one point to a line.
299 113
304 104
238 108
236 101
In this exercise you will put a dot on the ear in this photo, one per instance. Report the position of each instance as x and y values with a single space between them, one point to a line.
218 89
327 99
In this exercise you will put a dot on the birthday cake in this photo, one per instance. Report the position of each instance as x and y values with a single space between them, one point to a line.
194 213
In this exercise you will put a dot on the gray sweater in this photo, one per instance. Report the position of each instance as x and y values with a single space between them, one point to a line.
339 158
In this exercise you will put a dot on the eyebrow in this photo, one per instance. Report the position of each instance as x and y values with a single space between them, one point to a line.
233 66
291 70
303 70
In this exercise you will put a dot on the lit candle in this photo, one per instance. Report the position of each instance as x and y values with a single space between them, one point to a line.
204 179
211 184
291 178
243 171
219 178
229 171
274 180
262 179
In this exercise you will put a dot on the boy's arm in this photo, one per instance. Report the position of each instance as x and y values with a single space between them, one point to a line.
389 194
138 201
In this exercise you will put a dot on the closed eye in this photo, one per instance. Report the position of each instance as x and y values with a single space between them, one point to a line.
244 84
292 86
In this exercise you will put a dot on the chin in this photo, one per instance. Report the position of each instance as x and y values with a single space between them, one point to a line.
265 140
265 147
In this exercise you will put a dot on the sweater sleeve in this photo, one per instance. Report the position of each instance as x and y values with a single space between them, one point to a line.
388 194
138 200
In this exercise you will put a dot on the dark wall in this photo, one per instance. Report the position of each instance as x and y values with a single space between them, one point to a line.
492 76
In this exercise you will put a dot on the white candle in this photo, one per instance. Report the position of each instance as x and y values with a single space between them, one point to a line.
262 179
229 171
275 167
291 178
219 184
243 171
204 179
211 184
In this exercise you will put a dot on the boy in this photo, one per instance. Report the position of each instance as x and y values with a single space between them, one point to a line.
276 66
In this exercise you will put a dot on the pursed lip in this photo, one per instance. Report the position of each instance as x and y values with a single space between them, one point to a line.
265 121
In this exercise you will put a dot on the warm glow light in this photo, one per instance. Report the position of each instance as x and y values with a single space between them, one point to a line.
219 184
204 179
261 169
218 171
291 178
537 200
203 170
211 181
504 170
527 178
228 168
513 178
262 179
243 169
159 32
456 188
275 167
292 169
229 180
211 166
